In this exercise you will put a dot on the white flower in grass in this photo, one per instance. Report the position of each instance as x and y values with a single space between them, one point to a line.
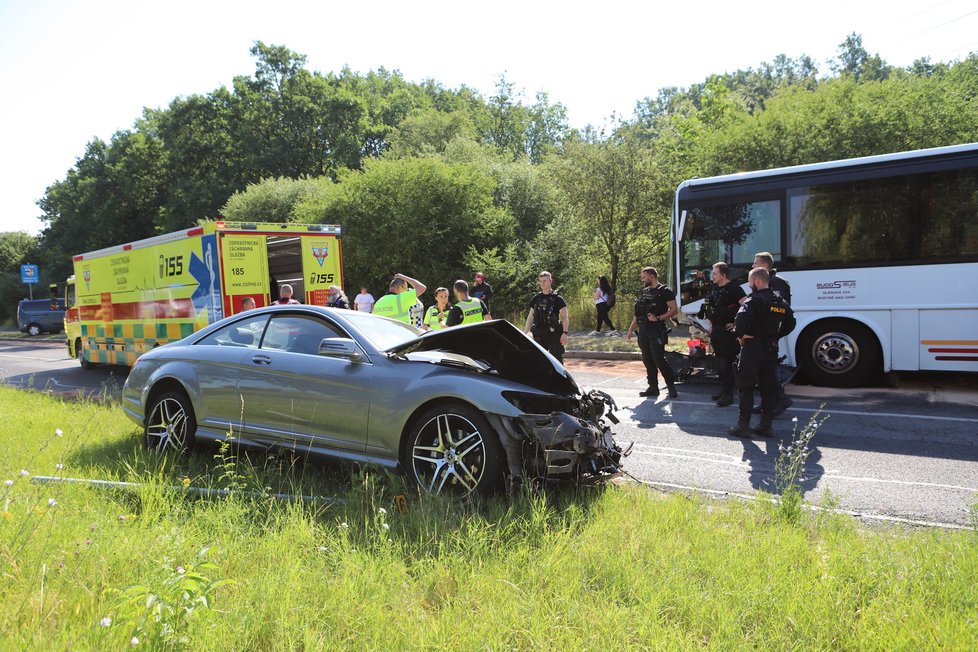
180 570
794 419
59 432
59 466
134 641
344 525
8 483
105 622
386 526
381 511
24 473
52 502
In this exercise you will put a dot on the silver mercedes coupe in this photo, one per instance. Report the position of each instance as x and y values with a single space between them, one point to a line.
459 410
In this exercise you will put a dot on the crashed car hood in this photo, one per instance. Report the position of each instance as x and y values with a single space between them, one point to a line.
503 348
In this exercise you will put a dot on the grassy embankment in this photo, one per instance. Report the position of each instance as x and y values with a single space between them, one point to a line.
596 569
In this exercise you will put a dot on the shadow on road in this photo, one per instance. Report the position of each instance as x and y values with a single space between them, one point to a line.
101 383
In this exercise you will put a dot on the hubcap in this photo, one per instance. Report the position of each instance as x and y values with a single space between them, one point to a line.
835 353
167 426
449 455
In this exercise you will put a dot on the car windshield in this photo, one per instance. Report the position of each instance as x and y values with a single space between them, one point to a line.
384 333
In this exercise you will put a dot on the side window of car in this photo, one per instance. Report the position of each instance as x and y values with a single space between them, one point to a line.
244 333
298 333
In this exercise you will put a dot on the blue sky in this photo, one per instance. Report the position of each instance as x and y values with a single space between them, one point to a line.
72 70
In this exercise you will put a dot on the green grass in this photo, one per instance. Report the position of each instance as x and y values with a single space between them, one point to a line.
593 569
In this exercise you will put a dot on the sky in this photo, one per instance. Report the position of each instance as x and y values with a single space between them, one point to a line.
74 70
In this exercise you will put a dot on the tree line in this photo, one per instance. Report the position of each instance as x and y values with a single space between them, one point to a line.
440 182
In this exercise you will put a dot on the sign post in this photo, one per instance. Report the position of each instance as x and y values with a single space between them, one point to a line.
28 275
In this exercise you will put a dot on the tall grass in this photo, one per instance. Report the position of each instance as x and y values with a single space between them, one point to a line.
592 569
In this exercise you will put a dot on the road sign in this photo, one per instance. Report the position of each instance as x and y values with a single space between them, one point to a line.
28 274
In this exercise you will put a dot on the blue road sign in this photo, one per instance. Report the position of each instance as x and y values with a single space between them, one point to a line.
28 274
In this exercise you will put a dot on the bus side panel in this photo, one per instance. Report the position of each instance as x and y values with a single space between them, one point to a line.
244 270
320 267
949 339
905 325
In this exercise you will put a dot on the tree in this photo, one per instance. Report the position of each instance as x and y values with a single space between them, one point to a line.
271 200
610 186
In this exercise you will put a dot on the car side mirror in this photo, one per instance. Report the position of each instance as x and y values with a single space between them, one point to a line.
341 347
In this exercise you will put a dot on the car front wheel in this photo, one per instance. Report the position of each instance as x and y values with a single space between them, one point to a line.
453 450
170 425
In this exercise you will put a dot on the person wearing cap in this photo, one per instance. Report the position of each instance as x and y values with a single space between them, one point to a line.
466 310
481 290
401 302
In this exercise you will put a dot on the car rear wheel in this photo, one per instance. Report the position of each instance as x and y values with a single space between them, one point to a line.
33 329
453 450
171 424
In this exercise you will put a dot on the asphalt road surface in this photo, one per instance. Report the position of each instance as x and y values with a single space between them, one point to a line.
907 453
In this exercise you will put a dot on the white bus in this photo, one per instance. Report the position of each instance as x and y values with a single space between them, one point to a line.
881 253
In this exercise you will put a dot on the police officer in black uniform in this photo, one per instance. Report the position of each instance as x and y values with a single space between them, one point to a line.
548 321
720 308
783 288
655 305
762 320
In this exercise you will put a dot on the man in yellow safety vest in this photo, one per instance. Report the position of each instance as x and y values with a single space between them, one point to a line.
466 310
401 303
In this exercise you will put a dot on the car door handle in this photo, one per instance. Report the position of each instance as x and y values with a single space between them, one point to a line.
261 359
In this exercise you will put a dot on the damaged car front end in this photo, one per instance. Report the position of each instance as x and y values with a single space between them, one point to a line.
558 435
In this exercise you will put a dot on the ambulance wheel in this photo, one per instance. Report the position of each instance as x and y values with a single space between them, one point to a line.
80 354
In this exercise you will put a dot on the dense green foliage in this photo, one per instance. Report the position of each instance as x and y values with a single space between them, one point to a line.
290 143
613 568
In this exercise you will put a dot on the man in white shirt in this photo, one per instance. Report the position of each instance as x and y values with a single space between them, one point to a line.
364 302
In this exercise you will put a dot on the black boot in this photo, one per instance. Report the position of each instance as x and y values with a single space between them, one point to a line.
672 392
763 430
724 400
716 397
742 429
783 405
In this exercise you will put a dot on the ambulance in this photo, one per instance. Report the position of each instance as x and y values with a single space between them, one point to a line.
125 300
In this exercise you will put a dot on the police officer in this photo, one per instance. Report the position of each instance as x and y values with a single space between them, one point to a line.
548 321
435 316
655 305
401 302
721 308
766 260
466 310
763 319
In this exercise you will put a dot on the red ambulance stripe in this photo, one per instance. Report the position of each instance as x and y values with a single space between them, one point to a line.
957 358
952 350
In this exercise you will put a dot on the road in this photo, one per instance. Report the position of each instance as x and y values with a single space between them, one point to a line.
906 453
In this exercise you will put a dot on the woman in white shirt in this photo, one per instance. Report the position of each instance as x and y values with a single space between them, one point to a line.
604 301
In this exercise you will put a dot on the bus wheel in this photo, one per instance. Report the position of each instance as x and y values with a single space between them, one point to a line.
838 353
80 354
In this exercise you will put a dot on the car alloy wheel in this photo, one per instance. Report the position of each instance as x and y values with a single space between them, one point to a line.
34 330
453 450
171 424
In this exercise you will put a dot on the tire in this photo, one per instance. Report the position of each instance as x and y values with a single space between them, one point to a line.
170 423
838 353
34 329
452 449
80 355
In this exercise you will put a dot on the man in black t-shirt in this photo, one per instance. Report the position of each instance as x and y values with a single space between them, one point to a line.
721 308
481 290
655 305
547 320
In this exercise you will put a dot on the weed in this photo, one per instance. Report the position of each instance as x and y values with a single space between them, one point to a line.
159 616
789 468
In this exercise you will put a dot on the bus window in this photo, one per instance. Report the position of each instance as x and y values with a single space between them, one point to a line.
855 222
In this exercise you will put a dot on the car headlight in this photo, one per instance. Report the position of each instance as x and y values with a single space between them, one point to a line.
530 403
